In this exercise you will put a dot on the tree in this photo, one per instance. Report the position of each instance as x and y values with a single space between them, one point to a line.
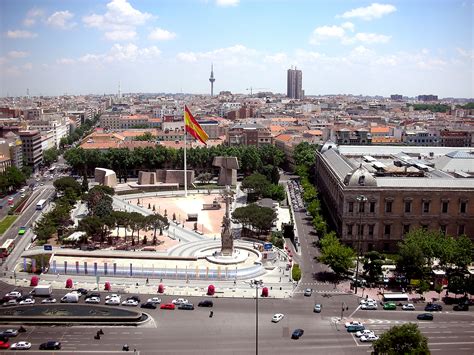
304 154
92 225
373 262
402 339
259 218
338 257
423 287
256 183
68 185
147 136
205 178
85 184
296 272
50 156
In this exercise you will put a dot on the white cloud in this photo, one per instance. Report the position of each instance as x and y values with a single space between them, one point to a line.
159 34
65 61
17 70
371 38
120 35
32 16
18 54
21 34
189 57
231 56
227 2
119 53
61 20
327 32
278 58
119 21
371 12
466 53
348 26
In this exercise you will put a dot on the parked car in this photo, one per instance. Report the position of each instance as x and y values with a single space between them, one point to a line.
186 306
27 301
10 303
364 332
21 345
49 300
370 337
390 306
308 292
4 344
130 303
94 300
154 300
408 307
113 295
297 333
50 345
317 308
369 306
277 317
430 307
461 307
149 305
9 333
13 295
179 301
367 300
135 298
355 328
424 316
206 303
167 306
113 301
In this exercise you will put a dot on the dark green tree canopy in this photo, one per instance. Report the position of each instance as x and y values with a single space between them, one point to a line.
402 339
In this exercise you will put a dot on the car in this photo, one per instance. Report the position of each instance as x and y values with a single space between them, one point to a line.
186 306
317 308
13 295
83 291
354 322
369 306
93 300
113 295
113 301
10 303
10 199
77 292
130 303
135 298
41 184
22 190
149 305
430 307
21 345
277 317
370 337
154 300
206 303
22 196
408 307
9 333
4 344
355 328
308 292
50 345
49 300
389 306
364 332
27 301
179 301
367 300
167 306
461 307
424 316
297 333
22 230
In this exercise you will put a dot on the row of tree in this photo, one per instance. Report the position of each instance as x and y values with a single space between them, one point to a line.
254 218
127 163
79 133
258 186
11 179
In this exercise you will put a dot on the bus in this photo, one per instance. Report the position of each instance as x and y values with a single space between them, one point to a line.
40 204
7 248
395 297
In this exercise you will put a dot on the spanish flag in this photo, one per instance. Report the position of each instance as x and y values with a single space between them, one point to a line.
193 128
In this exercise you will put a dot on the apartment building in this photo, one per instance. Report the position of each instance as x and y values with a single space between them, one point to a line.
11 147
32 151
248 134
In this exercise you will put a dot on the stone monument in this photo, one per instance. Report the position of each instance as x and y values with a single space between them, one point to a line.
228 167
227 247
105 177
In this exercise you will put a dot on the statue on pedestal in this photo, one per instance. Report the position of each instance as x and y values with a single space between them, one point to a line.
227 241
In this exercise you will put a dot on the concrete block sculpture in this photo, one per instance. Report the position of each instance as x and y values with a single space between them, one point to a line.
228 170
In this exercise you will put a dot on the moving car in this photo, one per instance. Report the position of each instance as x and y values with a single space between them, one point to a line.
354 322
297 333
424 316
206 303
113 295
370 337
50 345
13 295
113 301
364 332
461 307
93 300
10 303
49 300
22 231
135 298
21 345
167 306
9 333
355 328
27 301
186 306
369 306
130 303
149 305
430 307
179 301
408 307
389 306
317 308
71 297
308 292
83 291
367 300
154 300
277 317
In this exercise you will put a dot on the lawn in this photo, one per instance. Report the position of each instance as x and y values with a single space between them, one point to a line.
6 223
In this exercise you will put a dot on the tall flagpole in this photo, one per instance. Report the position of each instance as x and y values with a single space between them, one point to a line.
185 169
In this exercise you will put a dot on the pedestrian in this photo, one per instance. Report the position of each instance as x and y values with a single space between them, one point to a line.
147 280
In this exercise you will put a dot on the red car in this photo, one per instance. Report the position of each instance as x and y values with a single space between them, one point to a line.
167 306
4 345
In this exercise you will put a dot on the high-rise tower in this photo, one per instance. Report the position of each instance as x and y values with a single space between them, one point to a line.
295 84
212 79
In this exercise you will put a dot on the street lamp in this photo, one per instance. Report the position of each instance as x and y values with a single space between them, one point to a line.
362 200
257 284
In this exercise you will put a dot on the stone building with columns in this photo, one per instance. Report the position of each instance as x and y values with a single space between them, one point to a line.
380 193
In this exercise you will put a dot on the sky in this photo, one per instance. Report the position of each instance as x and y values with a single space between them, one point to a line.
408 47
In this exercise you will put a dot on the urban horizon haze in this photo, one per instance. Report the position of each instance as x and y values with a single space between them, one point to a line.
342 47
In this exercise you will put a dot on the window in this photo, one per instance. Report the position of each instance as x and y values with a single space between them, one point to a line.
461 229
388 206
387 230
463 207
444 206
371 230
443 228
361 207
407 206
351 207
426 206
406 229
372 207
360 229
349 229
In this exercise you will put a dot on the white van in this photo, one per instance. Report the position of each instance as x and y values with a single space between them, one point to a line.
70 298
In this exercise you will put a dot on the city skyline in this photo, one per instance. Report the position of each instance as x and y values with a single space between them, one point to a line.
357 47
